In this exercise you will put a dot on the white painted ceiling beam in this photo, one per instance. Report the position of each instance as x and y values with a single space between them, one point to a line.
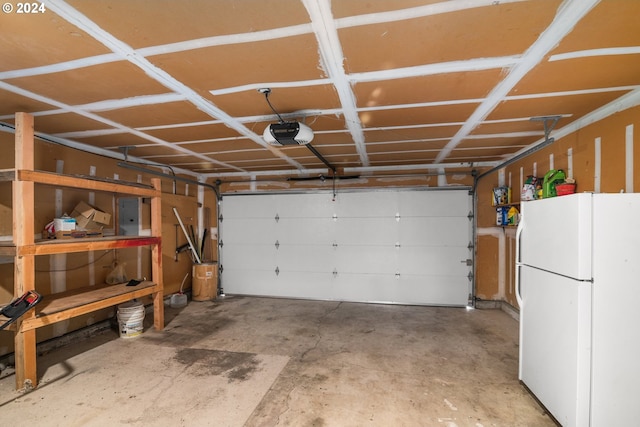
333 61
417 12
294 172
419 167
476 64
61 66
135 101
609 51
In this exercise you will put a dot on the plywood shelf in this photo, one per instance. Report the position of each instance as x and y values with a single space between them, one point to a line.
47 247
7 174
7 249
65 305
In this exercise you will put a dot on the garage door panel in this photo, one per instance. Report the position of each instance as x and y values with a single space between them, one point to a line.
432 260
249 257
249 230
366 259
366 287
366 231
438 231
438 290
439 203
286 284
317 205
305 230
309 258
295 284
248 282
369 204
249 207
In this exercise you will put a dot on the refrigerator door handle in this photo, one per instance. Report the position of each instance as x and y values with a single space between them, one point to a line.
519 230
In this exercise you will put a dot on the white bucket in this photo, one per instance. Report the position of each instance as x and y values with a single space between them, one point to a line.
130 319
178 300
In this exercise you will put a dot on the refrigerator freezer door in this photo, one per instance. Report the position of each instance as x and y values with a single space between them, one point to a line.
555 322
556 235
616 317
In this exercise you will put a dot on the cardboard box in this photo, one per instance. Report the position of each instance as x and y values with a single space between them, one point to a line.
90 218
77 234
64 224
85 223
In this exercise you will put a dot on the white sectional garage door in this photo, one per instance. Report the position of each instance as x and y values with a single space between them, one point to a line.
407 247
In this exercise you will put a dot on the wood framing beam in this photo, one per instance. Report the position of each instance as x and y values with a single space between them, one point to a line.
49 178
24 266
49 247
156 256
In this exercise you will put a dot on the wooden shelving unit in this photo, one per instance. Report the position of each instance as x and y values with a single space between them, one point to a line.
24 249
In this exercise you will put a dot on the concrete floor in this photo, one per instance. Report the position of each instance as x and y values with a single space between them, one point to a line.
243 361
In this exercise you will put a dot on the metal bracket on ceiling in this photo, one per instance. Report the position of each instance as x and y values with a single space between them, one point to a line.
549 123
125 150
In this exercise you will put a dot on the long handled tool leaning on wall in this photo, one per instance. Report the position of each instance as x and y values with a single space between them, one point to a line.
194 251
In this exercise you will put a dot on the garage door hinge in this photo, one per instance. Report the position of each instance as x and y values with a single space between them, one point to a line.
335 245
470 246
221 243
277 244
335 272
470 216
470 276
220 218
277 218
277 271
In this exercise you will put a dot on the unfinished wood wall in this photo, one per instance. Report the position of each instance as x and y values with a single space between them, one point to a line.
176 267
602 157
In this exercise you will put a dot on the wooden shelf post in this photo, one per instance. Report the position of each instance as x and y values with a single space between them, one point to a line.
156 257
23 235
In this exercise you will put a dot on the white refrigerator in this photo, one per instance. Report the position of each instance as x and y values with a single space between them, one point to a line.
577 283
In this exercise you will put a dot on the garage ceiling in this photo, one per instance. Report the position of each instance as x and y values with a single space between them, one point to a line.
386 86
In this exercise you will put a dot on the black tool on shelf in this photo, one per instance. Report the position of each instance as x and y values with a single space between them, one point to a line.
19 307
